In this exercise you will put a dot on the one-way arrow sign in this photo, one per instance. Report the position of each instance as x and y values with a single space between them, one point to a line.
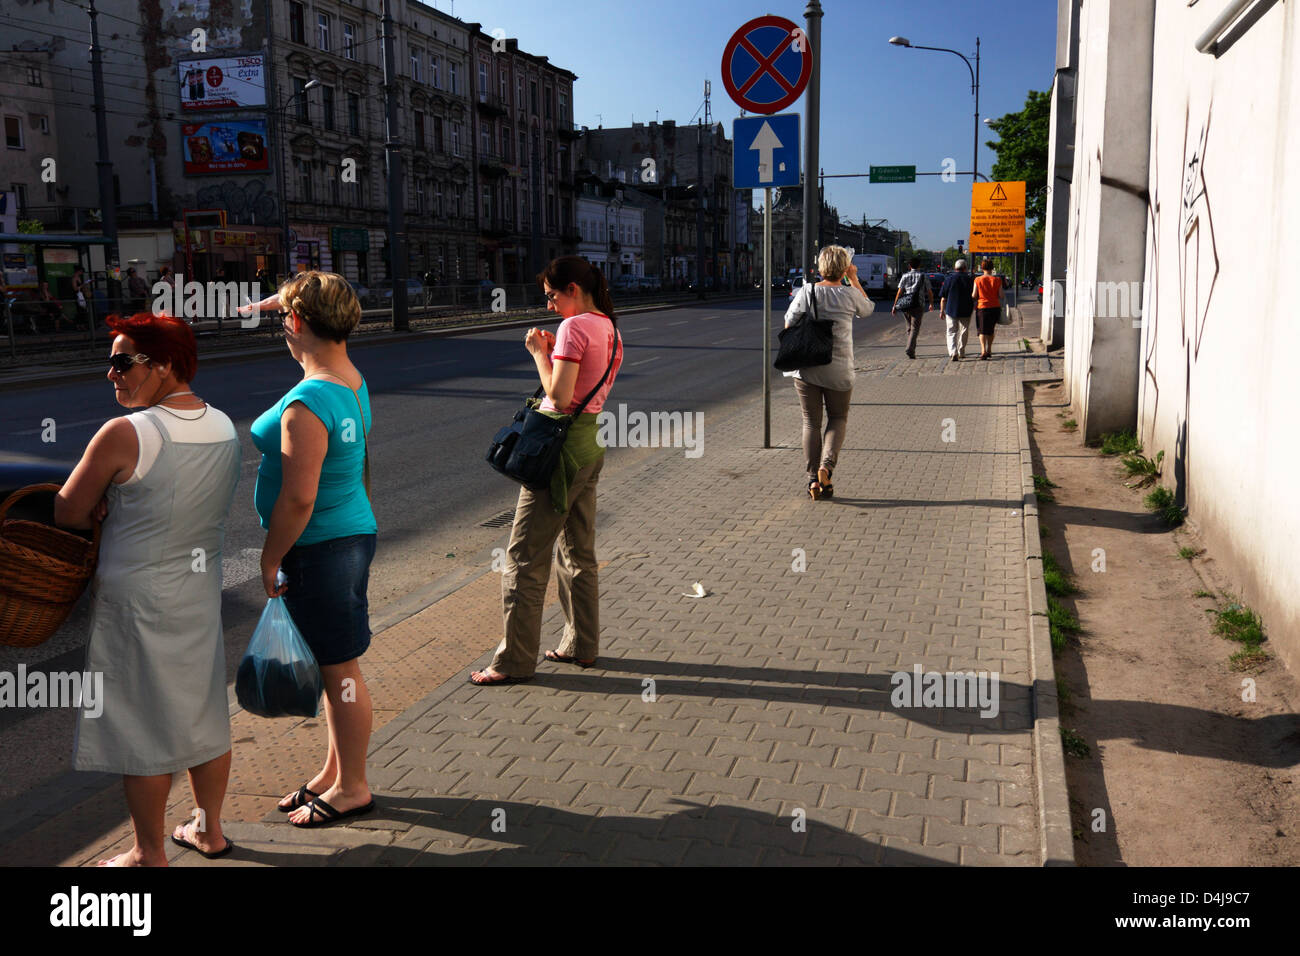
767 151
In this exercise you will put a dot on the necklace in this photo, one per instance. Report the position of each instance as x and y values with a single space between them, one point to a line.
325 371
159 404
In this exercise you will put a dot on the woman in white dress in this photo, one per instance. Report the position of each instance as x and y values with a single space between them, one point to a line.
162 479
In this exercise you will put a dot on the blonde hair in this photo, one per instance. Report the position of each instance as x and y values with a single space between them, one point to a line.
833 262
325 301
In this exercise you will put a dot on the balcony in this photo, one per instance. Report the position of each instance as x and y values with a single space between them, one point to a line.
564 129
494 227
489 105
491 164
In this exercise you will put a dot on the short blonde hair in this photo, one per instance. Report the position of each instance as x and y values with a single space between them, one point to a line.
833 262
325 301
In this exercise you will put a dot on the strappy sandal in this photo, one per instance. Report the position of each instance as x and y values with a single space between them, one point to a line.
814 489
328 815
300 799
828 490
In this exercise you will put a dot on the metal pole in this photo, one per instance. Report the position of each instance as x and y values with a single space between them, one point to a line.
103 165
393 165
811 206
767 317
699 209
975 159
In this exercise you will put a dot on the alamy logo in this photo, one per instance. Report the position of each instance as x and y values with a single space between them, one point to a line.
624 429
207 300
74 908
951 689
55 689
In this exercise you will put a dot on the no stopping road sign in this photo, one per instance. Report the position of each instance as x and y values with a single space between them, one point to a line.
766 64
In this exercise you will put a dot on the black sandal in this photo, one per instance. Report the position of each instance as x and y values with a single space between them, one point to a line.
300 799
814 489
828 490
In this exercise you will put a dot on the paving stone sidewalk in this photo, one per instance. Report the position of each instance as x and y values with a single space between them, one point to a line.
755 725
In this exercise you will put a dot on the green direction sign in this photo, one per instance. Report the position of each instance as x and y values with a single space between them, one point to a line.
893 174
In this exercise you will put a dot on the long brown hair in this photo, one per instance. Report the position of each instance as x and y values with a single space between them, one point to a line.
560 272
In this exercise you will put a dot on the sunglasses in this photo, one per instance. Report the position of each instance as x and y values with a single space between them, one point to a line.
121 362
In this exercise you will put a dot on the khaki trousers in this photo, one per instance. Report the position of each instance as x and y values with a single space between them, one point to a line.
533 542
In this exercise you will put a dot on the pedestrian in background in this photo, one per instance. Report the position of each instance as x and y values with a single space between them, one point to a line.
312 497
830 385
988 305
586 348
138 291
162 479
956 303
913 283
81 289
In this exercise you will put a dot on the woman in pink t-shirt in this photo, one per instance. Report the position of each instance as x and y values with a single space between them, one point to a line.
570 365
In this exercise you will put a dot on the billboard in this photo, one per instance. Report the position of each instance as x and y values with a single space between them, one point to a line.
224 146
222 83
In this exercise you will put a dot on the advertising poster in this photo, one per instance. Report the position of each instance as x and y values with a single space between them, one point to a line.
225 146
222 83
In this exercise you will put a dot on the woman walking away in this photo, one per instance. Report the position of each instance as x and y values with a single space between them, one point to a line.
829 385
162 479
913 283
313 499
988 305
586 348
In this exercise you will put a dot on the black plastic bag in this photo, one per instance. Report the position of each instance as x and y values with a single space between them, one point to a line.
279 676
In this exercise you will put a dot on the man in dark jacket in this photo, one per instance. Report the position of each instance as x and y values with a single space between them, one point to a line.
957 303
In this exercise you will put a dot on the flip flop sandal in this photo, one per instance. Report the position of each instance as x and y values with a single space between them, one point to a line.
560 658
230 845
493 683
329 815
300 799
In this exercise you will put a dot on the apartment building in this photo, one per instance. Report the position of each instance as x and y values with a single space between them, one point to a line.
30 131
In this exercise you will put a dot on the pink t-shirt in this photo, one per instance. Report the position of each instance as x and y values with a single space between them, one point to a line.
587 340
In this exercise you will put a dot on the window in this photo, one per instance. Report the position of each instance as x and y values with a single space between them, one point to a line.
523 148
323 31
508 202
13 132
415 65
42 122
550 214
34 76
49 193
419 196
482 82
485 139
354 114
564 108
452 83
437 204
487 204
297 31
433 71
327 105
300 97
354 196
504 87
20 196
506 140
419 129
438 146
304 179
532 95
349 41
550 102
334 186
519 98
550 156
455 139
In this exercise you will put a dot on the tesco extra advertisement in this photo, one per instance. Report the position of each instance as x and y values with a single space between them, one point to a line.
222 83
225 146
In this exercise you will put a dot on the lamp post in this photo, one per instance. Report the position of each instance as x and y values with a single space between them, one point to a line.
617 206
283 176
974 84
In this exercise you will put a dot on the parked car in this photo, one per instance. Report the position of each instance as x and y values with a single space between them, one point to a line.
649 283
364 295
626 283
414 294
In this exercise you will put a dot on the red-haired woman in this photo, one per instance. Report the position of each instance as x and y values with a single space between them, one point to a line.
162 479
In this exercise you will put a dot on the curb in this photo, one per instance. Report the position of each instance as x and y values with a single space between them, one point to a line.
77 373
1056 841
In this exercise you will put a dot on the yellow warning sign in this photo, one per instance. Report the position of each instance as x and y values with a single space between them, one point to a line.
997 217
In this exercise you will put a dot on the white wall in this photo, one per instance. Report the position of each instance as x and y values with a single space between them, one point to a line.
1220 349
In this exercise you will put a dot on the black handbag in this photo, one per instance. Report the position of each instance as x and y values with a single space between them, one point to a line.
807 343
528 449
910 300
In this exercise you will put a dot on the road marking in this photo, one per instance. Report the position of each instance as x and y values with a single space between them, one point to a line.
643 361
269 391
407 368
643 329
683 322
720 341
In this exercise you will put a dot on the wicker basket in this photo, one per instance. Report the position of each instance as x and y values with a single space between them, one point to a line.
43 571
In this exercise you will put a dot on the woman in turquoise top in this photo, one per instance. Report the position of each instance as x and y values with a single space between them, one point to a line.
312 498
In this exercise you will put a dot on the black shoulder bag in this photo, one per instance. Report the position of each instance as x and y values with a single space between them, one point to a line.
807 343
528 449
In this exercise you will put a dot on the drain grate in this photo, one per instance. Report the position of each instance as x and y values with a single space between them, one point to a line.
500 521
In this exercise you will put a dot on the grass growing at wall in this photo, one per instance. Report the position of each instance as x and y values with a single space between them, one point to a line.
1055 578
1074 744
1145 469
1042 486
1117 443
1069 424
1060 624
1239 623
1161 501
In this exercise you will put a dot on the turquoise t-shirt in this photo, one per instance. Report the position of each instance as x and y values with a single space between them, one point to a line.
342 507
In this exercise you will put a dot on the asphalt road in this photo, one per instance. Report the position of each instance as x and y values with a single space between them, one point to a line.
436 405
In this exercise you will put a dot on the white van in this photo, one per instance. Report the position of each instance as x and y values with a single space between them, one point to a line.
876 273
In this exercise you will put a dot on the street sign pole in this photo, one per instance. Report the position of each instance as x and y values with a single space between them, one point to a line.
767 317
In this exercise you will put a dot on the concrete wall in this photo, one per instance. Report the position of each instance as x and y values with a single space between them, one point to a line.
1060 171
1219 386
1108 210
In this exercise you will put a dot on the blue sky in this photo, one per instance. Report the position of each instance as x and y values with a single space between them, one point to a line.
881 105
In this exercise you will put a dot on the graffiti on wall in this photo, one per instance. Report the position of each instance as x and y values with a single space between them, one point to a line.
246 202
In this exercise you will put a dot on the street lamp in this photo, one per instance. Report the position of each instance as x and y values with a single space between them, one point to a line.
617 206
279 168
974 83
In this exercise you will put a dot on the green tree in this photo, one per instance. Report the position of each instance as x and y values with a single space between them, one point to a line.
31 227
1022 150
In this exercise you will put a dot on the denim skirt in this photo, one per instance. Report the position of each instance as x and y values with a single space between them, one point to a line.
327 595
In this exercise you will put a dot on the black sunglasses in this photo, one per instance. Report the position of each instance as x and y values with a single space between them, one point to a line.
121 362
